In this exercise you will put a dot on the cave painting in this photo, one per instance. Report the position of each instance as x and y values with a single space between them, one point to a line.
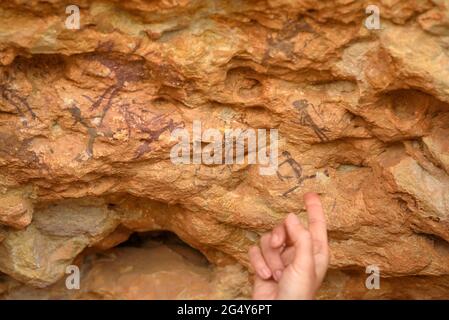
233 138
19 102
297 172
91 131
153 128
306 120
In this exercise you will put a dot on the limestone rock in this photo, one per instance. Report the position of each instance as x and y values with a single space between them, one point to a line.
39 254
155 271
15 210
87 115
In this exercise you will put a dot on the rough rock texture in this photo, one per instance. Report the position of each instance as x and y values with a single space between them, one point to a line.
149 269
86 117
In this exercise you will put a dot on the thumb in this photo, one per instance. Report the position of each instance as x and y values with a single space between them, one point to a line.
298 279
301 239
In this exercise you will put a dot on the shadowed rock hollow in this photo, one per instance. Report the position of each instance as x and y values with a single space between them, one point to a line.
86 118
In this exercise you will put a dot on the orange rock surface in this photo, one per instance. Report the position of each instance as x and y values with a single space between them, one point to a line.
86 117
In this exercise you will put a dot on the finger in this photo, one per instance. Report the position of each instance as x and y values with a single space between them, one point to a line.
278 236
264 289
318 230
288 255
272 256
317 220
258 284
258 262
300 237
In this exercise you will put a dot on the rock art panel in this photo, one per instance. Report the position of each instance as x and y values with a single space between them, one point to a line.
88 117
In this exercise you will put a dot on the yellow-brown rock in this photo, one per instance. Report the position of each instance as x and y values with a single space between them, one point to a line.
152 272
15 210
86 117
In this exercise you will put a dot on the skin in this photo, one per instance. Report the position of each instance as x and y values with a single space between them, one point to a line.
291 261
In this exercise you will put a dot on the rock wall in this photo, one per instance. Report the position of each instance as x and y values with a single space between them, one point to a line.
87 116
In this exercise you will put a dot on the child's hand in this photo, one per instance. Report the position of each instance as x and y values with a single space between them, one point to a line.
292 261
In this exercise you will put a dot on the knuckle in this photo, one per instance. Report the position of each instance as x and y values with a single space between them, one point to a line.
314 205
305 235
316 220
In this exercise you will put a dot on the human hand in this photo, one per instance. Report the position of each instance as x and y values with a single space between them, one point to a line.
291 261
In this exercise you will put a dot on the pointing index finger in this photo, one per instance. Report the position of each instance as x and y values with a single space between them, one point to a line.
317 220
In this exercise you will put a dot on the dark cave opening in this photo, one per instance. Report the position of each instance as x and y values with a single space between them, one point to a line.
138 239
154 239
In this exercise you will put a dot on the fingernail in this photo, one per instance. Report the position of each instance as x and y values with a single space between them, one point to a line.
277 275
265 273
